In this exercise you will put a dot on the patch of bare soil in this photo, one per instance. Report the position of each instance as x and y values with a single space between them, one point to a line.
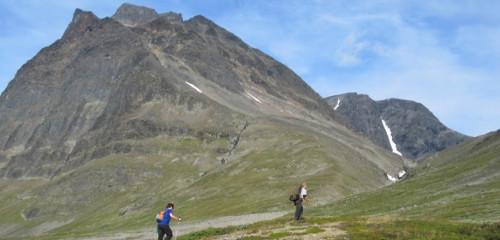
293 231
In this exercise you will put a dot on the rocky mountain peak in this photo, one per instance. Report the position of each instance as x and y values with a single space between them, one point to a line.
132 15
200 19
172 17
111 83
83 21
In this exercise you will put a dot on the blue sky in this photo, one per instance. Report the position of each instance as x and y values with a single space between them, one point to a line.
443 54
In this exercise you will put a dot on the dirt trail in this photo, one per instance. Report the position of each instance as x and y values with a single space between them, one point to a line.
180 228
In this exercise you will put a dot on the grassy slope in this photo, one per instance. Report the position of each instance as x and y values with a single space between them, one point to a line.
351 228
451 195
457 185
122 192
461 183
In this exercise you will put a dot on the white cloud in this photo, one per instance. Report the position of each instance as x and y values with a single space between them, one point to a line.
349 54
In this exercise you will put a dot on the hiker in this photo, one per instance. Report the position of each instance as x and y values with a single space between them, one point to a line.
298 203
163 227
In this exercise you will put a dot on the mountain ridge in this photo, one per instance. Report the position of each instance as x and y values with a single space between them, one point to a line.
415 130
132 15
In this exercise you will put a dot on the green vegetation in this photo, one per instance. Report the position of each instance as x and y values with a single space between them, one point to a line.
419 229
453 193
274 229
356 228
208 233
279 235
459 184
121 192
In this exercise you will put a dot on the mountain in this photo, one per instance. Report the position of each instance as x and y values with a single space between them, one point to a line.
90 88
125 113
414 131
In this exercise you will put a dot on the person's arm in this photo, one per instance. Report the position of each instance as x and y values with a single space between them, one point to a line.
174 217
307 199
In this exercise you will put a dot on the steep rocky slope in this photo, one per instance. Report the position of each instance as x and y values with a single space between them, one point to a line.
103 127
98 86
415 131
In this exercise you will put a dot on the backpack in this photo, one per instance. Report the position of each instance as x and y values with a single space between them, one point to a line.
296 195
159 216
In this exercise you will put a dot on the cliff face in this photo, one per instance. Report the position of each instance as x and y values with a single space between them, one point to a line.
415 131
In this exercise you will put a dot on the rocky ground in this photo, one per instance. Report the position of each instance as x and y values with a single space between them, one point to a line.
180 228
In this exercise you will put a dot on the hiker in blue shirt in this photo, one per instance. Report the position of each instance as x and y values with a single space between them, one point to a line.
163 227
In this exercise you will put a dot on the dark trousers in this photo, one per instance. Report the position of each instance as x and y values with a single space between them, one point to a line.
298 210
164 229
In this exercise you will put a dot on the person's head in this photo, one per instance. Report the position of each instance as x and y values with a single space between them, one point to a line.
304 185
170 205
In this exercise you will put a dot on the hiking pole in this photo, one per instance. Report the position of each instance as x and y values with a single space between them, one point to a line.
177 229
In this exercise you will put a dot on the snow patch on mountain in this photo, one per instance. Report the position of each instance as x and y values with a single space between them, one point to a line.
391 178
254 98
338 104
401 175
193 86
389 135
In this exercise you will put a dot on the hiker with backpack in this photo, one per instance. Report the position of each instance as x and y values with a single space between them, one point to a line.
299 209
163 220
